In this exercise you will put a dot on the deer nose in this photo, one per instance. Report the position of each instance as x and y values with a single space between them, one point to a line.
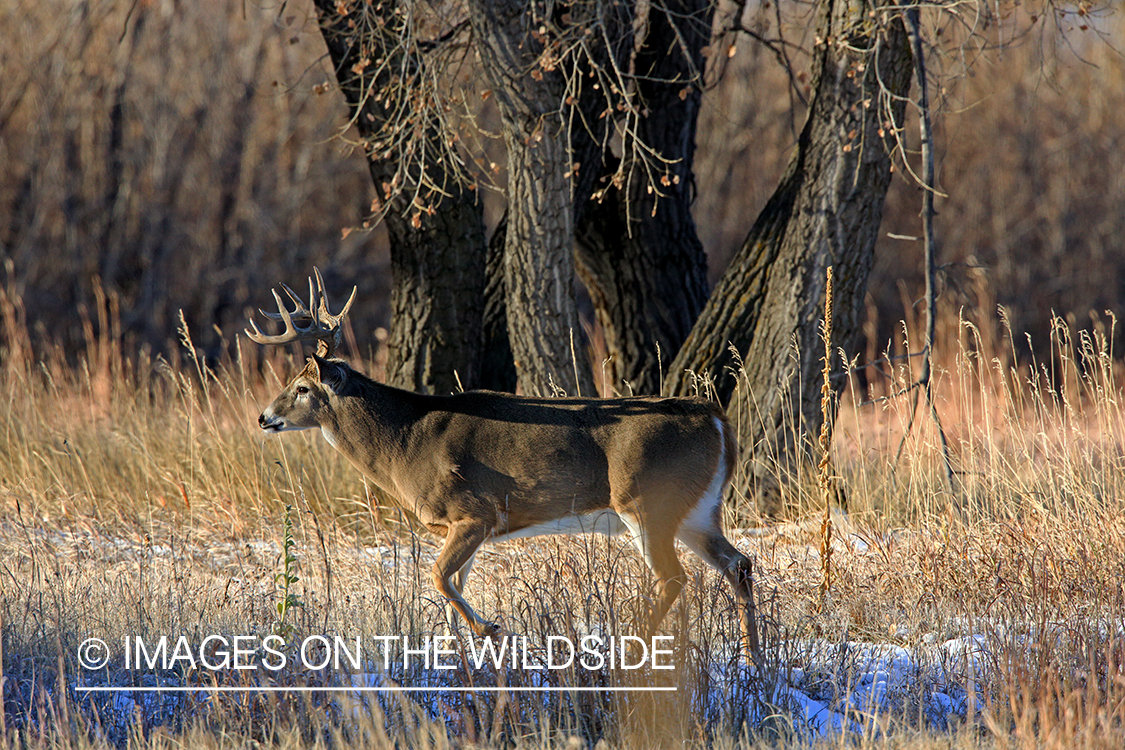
270 422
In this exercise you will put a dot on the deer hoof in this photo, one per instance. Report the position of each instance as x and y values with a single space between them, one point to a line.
486 629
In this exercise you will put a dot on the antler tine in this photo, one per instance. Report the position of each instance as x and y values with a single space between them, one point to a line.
318 299
322 296
291 332
348 304
299 310
324 312
322 326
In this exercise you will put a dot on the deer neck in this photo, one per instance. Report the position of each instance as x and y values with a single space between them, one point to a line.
368 423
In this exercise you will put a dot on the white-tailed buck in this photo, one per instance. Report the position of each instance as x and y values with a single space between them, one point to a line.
480 467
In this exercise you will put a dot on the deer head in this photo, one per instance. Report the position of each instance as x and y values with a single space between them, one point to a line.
302 404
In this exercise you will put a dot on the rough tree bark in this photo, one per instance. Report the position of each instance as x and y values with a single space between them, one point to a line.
608 50
498 370
538 263
826 211
437 257
638 252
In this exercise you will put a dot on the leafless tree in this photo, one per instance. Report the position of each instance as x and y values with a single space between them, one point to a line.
756 341
433 216
597 104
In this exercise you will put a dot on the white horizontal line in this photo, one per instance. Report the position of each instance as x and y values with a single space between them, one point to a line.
400 689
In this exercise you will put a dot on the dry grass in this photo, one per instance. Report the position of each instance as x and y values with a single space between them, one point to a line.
139 498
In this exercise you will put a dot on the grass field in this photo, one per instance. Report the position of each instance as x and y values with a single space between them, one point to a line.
139 499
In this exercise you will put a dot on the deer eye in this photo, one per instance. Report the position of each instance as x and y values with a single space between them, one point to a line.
302 390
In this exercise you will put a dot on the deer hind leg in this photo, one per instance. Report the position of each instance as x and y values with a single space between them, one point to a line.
702 534
462 541
659 552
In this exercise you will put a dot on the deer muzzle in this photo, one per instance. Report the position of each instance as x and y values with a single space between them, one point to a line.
269 422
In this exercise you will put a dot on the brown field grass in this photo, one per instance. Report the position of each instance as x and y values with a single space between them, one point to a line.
138 498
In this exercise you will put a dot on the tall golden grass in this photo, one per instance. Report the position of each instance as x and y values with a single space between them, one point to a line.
138 497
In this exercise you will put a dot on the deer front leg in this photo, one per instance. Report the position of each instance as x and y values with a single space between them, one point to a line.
462 541
458 581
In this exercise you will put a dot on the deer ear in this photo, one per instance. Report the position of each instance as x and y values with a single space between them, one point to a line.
312 368
331 374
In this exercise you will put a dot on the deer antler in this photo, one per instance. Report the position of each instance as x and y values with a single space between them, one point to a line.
317 323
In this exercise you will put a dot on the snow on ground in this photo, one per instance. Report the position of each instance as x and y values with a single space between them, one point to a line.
825 687
846 687
833 689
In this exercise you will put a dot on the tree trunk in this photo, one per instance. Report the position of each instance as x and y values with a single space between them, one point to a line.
826 211
638 253
498 370
438 252
539 241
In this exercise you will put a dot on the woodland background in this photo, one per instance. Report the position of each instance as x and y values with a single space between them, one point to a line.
163 156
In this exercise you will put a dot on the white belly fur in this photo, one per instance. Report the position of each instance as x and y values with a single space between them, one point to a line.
599 522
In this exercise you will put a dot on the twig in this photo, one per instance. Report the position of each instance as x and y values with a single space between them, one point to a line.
926 135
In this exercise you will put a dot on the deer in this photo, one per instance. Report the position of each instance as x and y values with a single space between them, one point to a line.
479 467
